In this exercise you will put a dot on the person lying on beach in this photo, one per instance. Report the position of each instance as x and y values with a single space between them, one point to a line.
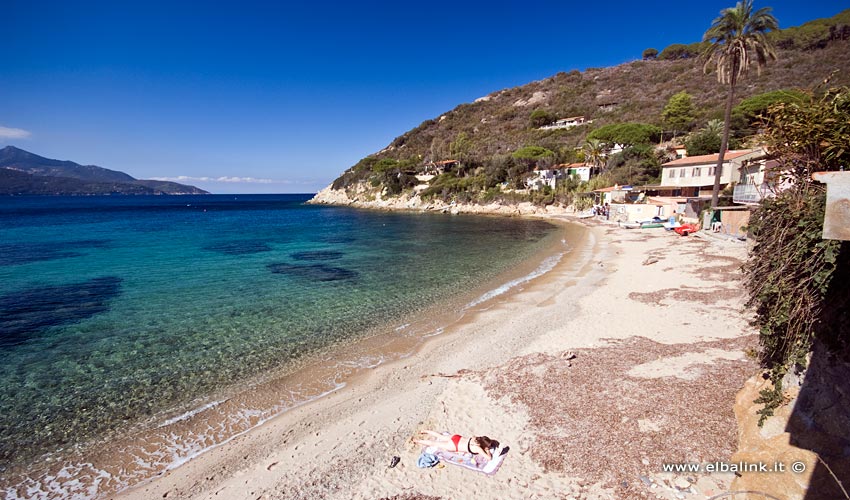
455 442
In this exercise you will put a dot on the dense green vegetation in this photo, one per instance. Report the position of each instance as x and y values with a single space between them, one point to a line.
815 34
637 103
630 134
682 51
799 283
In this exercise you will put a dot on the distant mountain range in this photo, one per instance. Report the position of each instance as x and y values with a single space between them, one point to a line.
25 173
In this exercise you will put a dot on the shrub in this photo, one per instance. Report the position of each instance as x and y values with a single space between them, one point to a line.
650 54
540 117
681 51
797 281
790 272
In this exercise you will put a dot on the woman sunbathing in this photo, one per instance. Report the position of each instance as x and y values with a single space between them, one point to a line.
457 443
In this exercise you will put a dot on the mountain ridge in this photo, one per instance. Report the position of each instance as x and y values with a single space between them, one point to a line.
25 173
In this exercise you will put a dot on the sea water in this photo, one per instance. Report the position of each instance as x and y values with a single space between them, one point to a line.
171 324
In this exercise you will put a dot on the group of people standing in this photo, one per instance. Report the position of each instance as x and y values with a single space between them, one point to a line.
603 210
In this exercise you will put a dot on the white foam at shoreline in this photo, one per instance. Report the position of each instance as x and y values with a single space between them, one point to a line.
190 413
67 483
178 461
544 267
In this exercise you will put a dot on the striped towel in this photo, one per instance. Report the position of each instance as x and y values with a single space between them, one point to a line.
477 463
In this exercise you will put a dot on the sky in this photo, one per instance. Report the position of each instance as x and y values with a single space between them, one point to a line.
282 97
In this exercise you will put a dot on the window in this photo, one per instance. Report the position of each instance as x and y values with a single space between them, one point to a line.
695 172
682 173
712 169
672 173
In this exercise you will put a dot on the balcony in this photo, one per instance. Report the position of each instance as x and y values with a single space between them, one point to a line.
749 193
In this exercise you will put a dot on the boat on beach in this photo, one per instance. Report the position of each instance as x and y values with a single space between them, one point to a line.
644 224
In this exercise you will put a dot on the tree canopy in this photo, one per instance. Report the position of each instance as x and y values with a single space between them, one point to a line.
681 51
626 133
541 117
679 114
532 153
650 53
751 107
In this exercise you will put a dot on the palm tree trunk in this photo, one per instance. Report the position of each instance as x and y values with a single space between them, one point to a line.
724 143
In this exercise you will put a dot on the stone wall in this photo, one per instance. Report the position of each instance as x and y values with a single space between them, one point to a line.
812 430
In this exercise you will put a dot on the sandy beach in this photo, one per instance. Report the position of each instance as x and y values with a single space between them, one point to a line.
625 357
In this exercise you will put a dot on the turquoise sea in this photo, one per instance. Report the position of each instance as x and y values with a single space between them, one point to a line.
137 332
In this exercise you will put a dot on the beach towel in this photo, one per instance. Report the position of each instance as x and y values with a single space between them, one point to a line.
477 463
427 460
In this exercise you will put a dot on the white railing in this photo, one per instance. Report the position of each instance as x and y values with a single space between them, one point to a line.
749 193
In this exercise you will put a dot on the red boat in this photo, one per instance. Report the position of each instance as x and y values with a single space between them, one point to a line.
686 229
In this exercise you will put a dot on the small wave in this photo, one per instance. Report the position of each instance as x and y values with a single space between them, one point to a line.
84 480
402 327
184 453
367 362
437 331
544 267
190 413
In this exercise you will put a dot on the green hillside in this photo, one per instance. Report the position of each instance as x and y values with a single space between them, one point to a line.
495 137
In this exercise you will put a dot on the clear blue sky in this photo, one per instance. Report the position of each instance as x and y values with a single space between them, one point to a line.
290 94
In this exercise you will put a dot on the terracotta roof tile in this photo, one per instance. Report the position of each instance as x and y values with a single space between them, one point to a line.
706 159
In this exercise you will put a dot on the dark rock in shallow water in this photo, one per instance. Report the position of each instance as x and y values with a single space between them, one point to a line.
317 255
314 272
243 247
13 254
26 313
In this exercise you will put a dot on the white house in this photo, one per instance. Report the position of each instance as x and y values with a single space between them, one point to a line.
695 174
758 180
543 177
583 170
570 122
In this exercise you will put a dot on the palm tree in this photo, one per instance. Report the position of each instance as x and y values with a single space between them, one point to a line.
738 35
714 127
594 153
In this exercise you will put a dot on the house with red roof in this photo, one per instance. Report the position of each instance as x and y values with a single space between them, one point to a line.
693 176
